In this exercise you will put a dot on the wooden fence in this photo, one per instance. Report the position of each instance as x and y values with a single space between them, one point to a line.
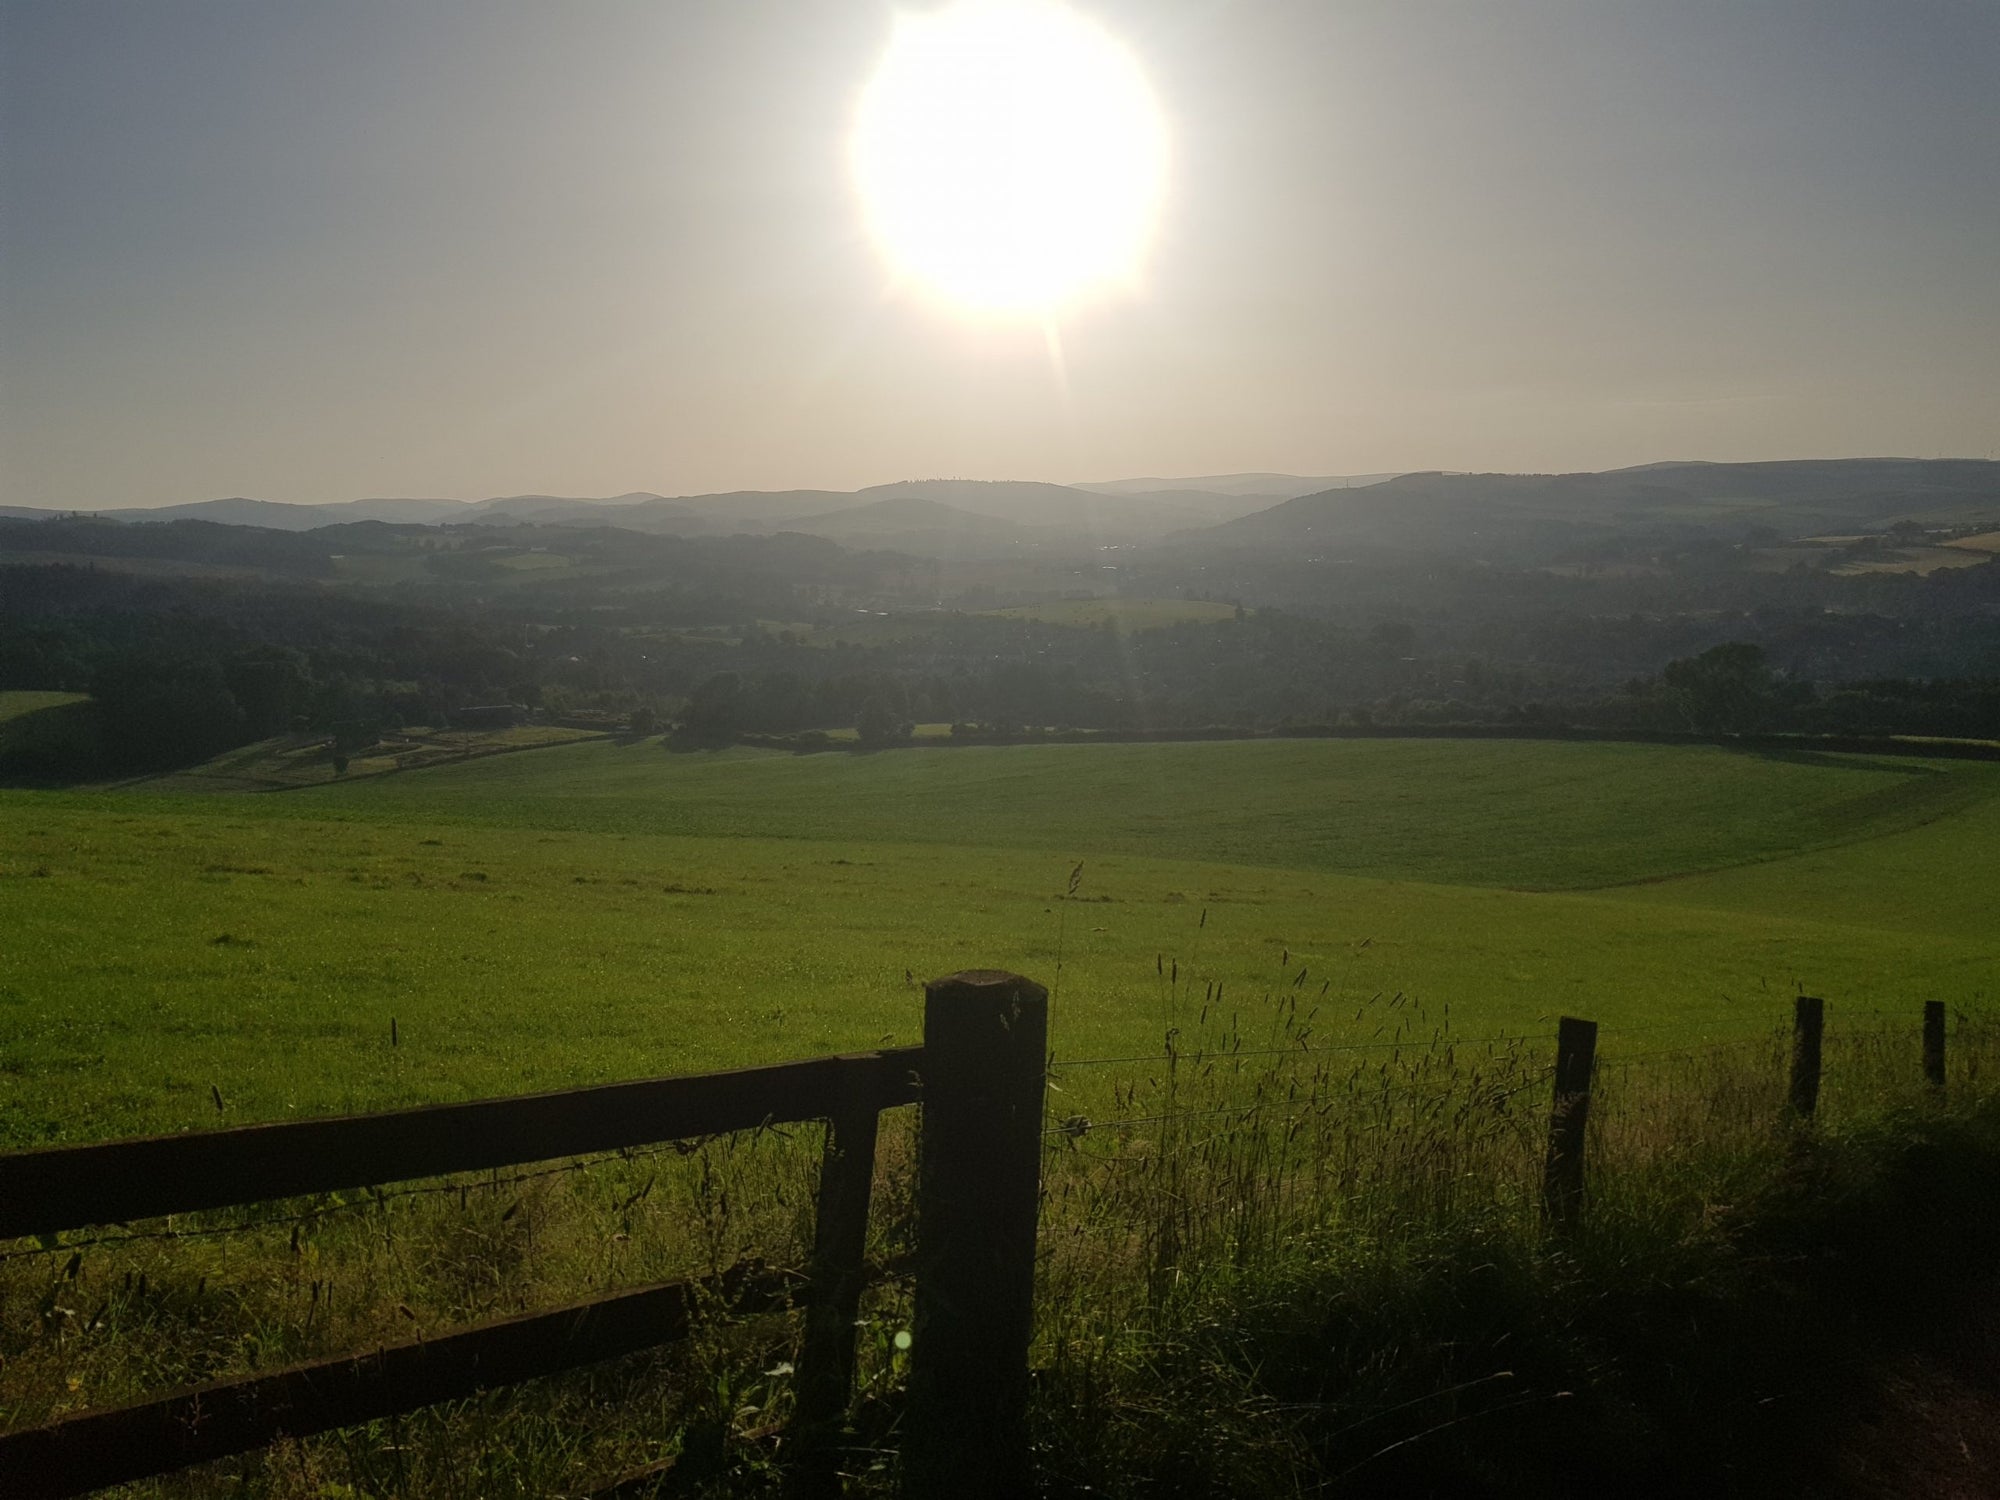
1576 1052
980 1076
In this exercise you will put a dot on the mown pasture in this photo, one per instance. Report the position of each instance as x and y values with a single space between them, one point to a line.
608 910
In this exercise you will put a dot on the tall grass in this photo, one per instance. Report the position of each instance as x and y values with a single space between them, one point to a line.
1272 1265
1296 1250
125 1313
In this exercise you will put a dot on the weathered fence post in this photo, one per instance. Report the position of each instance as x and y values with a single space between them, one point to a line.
978 1197
839 1271
1808 1024
1934 1043
1562 1173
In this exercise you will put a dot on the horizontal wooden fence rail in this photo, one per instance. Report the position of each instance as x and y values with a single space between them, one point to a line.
71 1187
980 1071
91 1450
75 1187
981 1074
1576 1052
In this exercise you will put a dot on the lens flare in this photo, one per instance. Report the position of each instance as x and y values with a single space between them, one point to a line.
1010 155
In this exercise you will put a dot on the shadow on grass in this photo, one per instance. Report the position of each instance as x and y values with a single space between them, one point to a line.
1739 1362
1828 760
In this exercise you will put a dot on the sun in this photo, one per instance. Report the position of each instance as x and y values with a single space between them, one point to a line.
1011 156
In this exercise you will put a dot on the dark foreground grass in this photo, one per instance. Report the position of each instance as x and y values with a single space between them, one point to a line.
1267 1268
1345 1288
1718 1360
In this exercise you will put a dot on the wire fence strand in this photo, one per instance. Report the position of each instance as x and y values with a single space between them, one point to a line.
1427 1044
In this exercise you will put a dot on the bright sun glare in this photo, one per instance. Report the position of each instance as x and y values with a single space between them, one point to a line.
1010 154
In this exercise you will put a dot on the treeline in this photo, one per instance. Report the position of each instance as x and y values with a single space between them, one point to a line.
1734 689
476 563
1729 690
749 636
1601 628
179 670
204 543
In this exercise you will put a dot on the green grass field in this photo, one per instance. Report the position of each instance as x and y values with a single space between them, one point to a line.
607 910
14 705
179 958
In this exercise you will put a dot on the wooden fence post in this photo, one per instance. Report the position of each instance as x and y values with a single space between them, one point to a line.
1808 1023
839 1272
978 1198
1934 1043
1562 1173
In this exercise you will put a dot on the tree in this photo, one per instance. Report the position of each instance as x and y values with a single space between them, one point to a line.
879 724
714 713
160 711
1727 689
271 685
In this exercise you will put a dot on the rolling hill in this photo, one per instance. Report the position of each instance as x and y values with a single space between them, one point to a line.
912 523
1267 488
763 509
1100 517
1518 518
1090 517
1525 517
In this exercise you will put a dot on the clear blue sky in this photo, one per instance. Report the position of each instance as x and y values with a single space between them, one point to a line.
314 251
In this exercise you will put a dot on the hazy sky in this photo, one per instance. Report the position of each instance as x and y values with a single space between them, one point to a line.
316 251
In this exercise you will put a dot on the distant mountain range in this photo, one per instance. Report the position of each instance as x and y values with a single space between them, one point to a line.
975 517
277 516
1270 486
1498 517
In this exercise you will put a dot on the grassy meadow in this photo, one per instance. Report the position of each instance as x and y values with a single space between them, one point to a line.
606 910
1359 949
15 705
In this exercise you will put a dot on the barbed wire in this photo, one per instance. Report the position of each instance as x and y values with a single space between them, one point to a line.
1633 1059
1079 1126
1427 1044
1774 1041
1057 1064
1075 1128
